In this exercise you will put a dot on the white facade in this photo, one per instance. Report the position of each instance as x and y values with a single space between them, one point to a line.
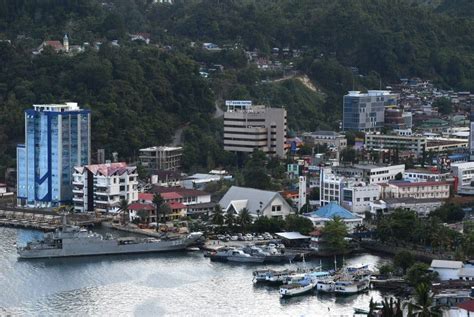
464 172
301 192
368 173
422 207
102 187
414 175
417 190
357 197
411 143
330 187
447 270
257 202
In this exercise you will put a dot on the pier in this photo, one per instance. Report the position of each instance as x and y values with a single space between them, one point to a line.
43 220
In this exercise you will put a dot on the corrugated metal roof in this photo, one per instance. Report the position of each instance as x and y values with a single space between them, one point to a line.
291 235
446 264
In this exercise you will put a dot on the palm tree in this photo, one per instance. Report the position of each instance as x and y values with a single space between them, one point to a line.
391 308
164 210
218 216
123 208
229 218
423 304
244 219
157 202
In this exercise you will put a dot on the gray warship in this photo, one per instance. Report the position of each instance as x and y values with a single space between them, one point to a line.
74 241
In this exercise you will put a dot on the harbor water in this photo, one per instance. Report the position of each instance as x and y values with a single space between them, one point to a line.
165 284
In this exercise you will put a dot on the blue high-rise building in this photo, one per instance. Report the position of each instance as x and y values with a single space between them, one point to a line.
57 138
366 111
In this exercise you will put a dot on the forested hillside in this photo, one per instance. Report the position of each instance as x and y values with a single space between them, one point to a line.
140 94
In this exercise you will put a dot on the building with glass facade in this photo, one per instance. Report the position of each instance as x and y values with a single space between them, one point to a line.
366 111
57 138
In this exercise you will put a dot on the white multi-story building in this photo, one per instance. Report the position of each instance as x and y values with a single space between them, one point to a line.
329 138
357 197
163 158
417 190
330 186
423 175
422 207
248 127
464 173
368 173
471 134
413 143
102 187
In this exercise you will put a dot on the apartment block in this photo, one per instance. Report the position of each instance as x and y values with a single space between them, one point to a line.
423 175
366 111
57 138
464 175
417 190
370 173
412 143
164 158
330 139
357 197
248 127
102 187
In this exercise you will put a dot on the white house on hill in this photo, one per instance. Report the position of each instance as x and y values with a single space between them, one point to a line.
258 202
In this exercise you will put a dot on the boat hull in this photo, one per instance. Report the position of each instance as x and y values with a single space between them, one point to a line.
290 292
105 247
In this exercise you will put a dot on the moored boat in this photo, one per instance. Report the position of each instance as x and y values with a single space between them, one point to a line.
352 283
300 288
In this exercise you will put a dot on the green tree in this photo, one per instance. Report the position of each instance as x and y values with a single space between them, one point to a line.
349 155
444 105
391 308
157 201
334 233
229 219
386 269
218 216
244 219
419 273
299 224
422 303
403 260
164 211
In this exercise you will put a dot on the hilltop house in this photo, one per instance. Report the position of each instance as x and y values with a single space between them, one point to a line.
258 202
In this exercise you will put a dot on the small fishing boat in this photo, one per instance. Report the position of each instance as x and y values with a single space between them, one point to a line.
304 286
353 283
360 311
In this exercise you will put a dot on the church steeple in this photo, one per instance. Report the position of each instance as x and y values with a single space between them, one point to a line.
66 43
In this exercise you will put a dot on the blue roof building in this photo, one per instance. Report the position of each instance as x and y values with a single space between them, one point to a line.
332 210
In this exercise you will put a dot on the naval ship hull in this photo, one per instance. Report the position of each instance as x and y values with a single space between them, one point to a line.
104 247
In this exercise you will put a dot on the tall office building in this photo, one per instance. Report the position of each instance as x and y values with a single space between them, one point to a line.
165 158
57 138
471 135
248 127
366 111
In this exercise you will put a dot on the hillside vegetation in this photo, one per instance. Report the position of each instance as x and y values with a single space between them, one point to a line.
140 94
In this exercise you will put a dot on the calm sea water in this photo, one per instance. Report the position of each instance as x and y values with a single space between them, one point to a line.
167 284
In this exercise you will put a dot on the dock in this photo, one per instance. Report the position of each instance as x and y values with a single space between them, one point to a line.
43 221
